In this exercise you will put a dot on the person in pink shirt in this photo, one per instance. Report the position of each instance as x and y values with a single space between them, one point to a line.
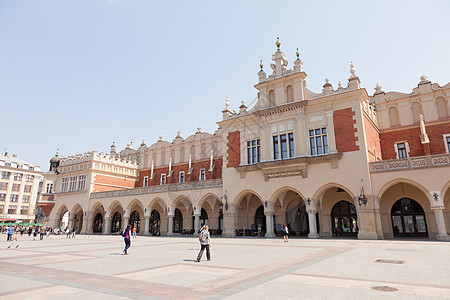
127 238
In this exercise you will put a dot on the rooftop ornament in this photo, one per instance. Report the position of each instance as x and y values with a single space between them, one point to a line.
298 54
352 69
261 64
278 43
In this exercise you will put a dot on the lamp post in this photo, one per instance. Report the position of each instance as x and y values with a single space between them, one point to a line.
362 199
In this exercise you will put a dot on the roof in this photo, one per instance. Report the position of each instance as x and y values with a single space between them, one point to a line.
16 160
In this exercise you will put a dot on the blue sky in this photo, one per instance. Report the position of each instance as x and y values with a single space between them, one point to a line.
76 74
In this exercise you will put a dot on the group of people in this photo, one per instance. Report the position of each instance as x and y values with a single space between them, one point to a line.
12 231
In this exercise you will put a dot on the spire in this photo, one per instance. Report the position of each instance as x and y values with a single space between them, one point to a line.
298 54
261 65
353 81
226 112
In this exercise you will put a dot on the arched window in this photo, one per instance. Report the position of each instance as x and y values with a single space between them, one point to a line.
289 93
203 151
204 217
182 157
98 223
163 157
155 222
393 116
177 221
408 219
441 105
116 224
416 111
271 98
344 219
193 152
135 220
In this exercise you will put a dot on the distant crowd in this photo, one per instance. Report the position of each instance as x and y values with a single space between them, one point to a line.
12 231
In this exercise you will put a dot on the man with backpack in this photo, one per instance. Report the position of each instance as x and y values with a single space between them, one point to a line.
205 243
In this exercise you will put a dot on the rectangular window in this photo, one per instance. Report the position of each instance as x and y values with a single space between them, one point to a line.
14 198
291 144
318 141
19 167
181 177
275 148
31 168
49 188
81 182
29 178
18 176
253 151
5 175
65 185
163 179
73 183
145 183
3 185
12 209
283 146
15 187
202 175
447 142
24 210
2 197
25 199
7 164
27 189
401 150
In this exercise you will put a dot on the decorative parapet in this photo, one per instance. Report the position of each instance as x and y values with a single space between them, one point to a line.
95 156
410 163
212 183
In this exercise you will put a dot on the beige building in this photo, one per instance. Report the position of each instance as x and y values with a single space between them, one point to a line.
338 162
19 184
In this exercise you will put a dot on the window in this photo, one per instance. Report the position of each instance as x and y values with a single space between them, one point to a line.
25 199
15 187
253 151
283 146
2 207
29 178
27 189
49 188
416 111
19 167
271 98
65 185
289 93
3 186
31 168
393 116
81 182
24 210
401 150
441 105
145 181
163 179
12 209
181 177
5 175
14 198
202 176
318 141
18 176
7 164
73 183
2 197
447 142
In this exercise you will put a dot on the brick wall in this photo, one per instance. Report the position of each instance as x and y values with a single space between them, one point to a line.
412 136
194 176
344 130
234 149
109 183
47 207
372 139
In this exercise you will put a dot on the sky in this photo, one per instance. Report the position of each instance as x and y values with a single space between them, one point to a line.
78 74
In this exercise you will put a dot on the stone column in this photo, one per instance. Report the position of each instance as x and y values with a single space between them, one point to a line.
312 224
126 219
301 142
170 225
230 221
269 224
107 225
90 223
147 226
440 221
196 223
330 133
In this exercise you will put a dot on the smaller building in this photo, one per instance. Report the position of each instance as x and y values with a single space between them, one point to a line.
19 184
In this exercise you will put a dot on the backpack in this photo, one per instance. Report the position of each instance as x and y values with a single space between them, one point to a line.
202 237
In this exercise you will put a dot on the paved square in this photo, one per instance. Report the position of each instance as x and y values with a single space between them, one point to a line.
92 267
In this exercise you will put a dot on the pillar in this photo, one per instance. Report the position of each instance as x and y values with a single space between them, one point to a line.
170 225
147 226
312 224
269 224
90 223
440 222
330 132
196 223
126 219
230 221
107 228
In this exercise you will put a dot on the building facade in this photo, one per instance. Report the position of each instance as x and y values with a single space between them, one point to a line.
339 162
19 184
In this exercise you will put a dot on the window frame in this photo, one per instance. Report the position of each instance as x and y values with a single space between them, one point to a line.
253 151
202 175
396 144
315 135
446 138
163 179
145 181
180 176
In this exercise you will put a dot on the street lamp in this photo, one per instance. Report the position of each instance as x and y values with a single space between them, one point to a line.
362 199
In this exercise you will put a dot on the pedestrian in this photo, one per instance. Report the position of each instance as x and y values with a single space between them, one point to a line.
134 231
205 243
127 239
68 232
30 230
42 232
16 232
35 233
74 229
10 233
285 233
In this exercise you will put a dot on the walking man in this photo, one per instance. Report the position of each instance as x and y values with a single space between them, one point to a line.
127 239
205 243
10 233
42 232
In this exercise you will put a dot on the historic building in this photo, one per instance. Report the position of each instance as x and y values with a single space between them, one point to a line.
334 163
19 184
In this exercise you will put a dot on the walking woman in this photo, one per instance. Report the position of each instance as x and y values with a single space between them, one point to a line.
127 238
205 243
285 233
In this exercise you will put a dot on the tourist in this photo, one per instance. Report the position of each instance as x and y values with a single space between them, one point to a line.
126 237
285 233
42 232
15 233
74 229
205 243
68 232
35 233
134 231
30 230
10 233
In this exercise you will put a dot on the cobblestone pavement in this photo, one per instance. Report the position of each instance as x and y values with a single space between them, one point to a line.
93 267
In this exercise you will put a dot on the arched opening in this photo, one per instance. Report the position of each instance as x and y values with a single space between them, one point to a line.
78 218
416 111
98 223
177 221
155 223
344 219
247 208
442 108
204 217
64 219
135 221
116 222
408 219
260 220
393 116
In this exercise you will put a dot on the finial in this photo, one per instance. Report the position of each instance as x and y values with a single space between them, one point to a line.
278 43
423 78
227 102
298 54
199 129
261 64
327 80
352 69
339 85
179 134
160 138
57 150
234 111
378 88
242 102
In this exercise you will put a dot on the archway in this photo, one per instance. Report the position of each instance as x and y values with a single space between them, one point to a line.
177 221
344 219
155 223
64 220
135 221
98 223
211 213
260 220
408 219
78 218
116 222
204 217
247 208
